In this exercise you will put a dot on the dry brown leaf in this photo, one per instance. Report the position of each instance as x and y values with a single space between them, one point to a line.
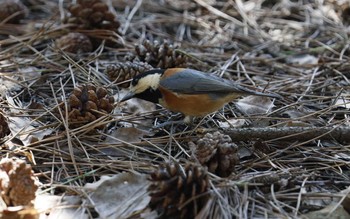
129 134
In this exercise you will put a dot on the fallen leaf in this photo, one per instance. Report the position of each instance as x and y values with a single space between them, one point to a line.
129 134
303 59
255 105
53 207
134 106
235 123
331 211
8 84
119 196
343 101
23 127
25 212
244 152
301 117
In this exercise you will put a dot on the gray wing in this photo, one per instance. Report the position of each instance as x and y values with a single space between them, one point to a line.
191 81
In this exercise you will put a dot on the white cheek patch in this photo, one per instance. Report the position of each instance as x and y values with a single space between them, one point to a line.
150 81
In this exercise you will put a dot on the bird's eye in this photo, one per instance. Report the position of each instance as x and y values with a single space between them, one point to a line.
135 81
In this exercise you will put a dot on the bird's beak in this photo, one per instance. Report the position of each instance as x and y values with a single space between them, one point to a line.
128 96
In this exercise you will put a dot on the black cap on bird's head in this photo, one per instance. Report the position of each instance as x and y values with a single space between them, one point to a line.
145 86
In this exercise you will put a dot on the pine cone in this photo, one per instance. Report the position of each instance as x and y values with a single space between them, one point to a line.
74 43
92 14
217 152
159 55
17 182
178 192
9 8
124 71
4 127
86 104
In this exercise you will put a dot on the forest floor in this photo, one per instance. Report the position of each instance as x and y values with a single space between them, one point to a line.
70 149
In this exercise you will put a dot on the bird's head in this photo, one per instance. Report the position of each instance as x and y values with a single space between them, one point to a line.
145 86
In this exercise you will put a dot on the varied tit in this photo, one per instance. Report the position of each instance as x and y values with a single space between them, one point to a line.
191 92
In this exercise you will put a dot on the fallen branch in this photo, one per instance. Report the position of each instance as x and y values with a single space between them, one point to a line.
340 134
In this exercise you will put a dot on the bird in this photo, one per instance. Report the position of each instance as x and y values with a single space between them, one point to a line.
191 92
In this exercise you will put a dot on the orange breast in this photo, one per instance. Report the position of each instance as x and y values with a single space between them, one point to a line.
193 105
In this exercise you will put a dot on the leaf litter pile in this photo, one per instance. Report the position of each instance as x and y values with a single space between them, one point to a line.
70 149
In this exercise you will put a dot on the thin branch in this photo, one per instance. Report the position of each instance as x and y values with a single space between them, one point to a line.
340 134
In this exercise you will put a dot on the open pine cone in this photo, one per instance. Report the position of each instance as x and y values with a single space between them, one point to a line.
178 192
125 71
92 14
159 55
86 104
4 127
217 152
17 182
14 9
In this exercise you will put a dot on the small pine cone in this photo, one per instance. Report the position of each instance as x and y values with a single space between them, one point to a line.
217 152
172 186
74 43
87 103
10 8
92 14
121 72
159 55
4 127
17 182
